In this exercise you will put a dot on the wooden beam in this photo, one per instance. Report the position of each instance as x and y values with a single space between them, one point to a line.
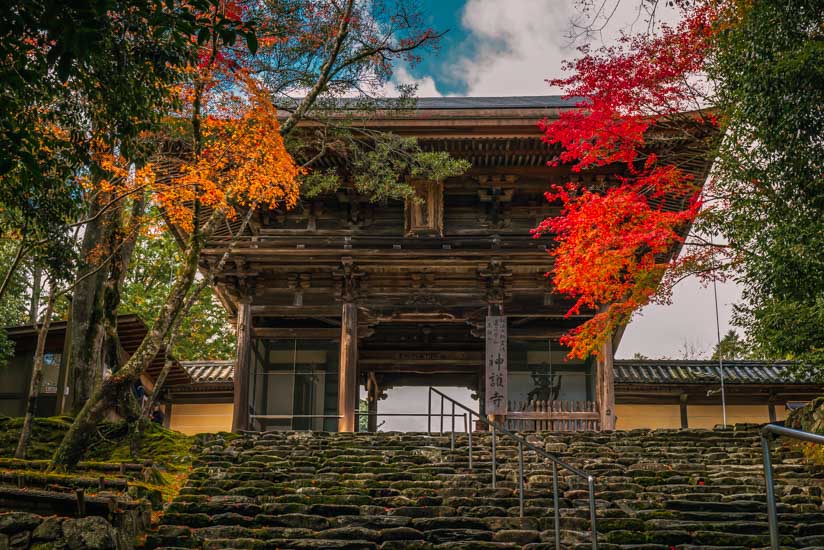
348 377
312 333
240 415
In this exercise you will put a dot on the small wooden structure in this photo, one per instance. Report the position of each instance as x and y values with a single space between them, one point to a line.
55 384
342 293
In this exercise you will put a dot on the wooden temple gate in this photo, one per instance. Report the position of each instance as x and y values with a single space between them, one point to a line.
342 293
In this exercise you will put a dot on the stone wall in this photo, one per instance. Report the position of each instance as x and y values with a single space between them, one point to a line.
23 530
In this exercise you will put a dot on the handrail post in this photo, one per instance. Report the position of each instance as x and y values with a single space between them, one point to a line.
469 436
429 412
772 516
591 484
494 464
556 511
521 479
452 440
442 413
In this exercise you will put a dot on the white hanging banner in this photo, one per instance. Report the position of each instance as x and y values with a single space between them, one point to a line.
496 402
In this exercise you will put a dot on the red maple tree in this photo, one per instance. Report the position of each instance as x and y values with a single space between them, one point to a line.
613 245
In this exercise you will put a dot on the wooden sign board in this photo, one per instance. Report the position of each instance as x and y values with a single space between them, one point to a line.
495 370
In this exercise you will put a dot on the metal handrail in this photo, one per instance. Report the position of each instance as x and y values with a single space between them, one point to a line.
522 444
769 433
359 414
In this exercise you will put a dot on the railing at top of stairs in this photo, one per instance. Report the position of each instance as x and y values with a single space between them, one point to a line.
768 433
497 429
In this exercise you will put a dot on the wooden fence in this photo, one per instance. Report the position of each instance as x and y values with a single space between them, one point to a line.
553 416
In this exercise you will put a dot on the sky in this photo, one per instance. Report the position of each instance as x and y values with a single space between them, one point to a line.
509 48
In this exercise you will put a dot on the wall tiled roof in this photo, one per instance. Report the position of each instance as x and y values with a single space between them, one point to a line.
206 372
630 371
627 371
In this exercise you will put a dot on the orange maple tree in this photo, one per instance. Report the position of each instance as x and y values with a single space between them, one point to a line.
242 160
232 156
614 245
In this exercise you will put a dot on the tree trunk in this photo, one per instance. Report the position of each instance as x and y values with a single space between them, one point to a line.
122 243
34 304
86 329
93 330
152 401
36 378
76 440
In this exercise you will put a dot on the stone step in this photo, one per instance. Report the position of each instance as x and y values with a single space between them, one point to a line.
654 489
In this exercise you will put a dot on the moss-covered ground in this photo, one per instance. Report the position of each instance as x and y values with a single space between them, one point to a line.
169 451
111 443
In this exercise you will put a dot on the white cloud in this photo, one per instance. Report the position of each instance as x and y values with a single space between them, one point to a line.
515 46
425 86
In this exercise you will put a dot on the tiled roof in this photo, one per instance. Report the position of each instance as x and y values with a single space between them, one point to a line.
514 102
426 103
630 371
208 372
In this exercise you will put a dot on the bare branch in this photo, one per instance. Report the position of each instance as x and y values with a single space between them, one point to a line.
325 72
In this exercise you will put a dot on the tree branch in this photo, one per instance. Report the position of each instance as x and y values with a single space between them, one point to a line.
325 72
18 256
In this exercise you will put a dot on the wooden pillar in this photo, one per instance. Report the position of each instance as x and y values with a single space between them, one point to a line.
167 414
240 415
771 409
685 423
372 423
348 377
607 380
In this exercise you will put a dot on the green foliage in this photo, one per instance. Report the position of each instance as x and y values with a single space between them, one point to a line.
77 74
379 171
380 164
204 333
14 303
382 167
769 68
319 182
732 346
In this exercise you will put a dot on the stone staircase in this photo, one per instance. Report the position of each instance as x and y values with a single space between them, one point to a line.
663 489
